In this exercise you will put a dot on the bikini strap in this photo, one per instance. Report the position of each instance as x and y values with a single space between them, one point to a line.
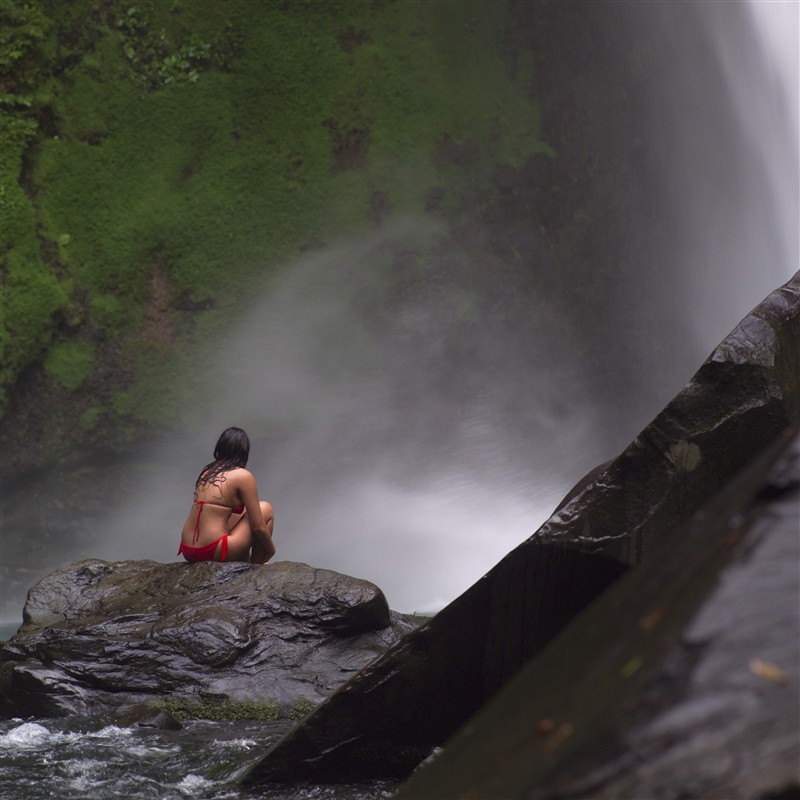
202 503
196 534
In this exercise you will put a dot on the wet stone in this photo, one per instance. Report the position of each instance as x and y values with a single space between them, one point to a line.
98 633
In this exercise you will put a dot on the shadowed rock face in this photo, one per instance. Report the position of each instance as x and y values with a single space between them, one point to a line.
98 632
680 681
741 399
391 715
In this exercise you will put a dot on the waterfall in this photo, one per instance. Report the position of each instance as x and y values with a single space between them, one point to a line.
731 160
388 457
776 119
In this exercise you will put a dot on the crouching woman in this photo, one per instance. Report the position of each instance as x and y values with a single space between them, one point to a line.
227 521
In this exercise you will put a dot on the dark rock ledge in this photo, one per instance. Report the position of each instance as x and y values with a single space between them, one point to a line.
681 681
105 634
638 511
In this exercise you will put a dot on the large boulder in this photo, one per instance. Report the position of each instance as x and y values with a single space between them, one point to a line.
410 700
682 680
99 633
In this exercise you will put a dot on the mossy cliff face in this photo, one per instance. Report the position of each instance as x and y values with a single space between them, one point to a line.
163 159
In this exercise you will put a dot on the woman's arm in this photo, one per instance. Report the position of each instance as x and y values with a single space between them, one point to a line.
248 491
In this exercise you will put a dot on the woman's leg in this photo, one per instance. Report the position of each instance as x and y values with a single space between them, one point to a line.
260 553
240 540
243 545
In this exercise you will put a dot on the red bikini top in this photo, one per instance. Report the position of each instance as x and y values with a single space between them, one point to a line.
201 503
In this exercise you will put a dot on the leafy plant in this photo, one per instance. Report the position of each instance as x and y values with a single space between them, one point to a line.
155 61
68 363
224 710
218 141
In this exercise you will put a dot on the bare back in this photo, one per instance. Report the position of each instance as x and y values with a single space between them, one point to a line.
218 505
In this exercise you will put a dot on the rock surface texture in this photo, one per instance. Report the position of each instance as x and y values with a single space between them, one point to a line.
743 399
99 633
680 681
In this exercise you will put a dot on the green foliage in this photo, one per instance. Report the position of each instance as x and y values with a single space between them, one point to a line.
23 39
123 403
16 131
90 418
229 710
216 140
68 363
107 311
18 219
154 61
32 295
302 708
31 298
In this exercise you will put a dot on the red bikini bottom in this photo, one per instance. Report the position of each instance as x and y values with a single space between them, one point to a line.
204 553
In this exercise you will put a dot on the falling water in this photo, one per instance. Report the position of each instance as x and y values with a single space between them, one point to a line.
730 152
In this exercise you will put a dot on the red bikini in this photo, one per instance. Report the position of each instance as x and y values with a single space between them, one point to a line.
206 553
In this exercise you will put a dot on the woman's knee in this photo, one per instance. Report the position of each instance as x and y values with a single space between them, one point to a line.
269 514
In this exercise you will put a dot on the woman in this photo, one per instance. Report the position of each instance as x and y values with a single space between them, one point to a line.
227 521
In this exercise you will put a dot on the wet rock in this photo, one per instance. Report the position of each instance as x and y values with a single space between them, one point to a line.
680 681
97 632
142 715
36 690
413 698
587 480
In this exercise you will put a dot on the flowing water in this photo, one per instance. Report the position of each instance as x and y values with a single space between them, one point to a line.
388 462
74 760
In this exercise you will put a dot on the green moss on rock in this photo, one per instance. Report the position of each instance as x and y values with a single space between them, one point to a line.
68 363
230 710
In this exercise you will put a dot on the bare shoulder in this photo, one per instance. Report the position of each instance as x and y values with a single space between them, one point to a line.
240 476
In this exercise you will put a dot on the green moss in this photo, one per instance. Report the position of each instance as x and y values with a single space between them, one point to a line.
90 418
32 297
302 708
123 403
216 140
108 312
229 710
68 363
24 45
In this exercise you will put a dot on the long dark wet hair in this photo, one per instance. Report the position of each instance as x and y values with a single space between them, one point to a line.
232 451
